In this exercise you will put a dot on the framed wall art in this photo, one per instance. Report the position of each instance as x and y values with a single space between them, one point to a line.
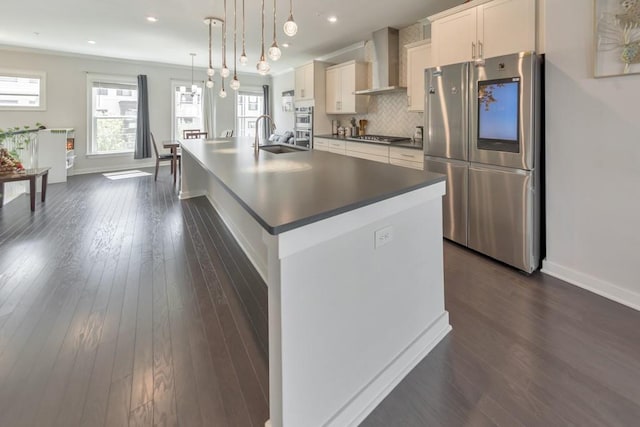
617 37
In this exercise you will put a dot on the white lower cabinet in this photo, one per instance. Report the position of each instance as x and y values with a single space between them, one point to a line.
377 153
406 157
321 144
338 147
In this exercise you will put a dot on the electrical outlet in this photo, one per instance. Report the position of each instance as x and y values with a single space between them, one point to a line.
383 236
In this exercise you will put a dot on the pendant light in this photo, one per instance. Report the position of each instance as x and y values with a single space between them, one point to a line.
222 93
224 72
210 70
235 83
290 27
263 66
194 87
274 51
243 57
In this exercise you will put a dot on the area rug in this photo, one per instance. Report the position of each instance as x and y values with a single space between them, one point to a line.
125 174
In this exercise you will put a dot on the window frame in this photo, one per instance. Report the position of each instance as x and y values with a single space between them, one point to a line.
249 90
107 78
42 96
176 83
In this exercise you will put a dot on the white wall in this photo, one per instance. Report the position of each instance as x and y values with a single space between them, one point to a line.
67 99
281 83
593 161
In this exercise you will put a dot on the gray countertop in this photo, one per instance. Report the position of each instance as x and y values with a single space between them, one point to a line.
405 144
287 191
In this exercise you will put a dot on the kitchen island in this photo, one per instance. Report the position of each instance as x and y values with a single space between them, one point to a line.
351 251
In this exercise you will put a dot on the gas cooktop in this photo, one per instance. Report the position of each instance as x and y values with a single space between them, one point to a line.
381 138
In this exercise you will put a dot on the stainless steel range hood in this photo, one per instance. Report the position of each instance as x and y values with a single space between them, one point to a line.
385 67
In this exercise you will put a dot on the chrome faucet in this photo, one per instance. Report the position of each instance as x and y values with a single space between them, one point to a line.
256 143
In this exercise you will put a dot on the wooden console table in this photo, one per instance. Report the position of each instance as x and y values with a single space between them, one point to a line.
29 175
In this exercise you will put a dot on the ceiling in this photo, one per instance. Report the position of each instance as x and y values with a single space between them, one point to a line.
120 28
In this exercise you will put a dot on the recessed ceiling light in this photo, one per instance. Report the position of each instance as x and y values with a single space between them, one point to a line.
152 19
285 45
332 19
91 41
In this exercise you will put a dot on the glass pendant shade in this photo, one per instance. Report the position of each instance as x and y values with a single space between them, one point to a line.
209 83
263 67
224 72
222 93
290 27
243 59
274 52
235 83
211 72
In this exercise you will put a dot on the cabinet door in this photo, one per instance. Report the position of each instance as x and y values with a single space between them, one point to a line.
505 27
333 90
299 84
348 86
308 82
453 38
418 58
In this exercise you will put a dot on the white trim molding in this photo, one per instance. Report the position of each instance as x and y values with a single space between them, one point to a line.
592 284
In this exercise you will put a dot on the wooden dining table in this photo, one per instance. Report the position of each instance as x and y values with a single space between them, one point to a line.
173 145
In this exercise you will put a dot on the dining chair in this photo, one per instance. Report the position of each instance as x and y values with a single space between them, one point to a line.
189 131
228 133
162 157
196 135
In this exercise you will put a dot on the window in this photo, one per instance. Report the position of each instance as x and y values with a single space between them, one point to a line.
22 90
186 107
249 107
113 115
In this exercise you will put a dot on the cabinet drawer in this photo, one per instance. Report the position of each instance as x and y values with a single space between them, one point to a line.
406 163
337 146
318 142
406 154
376 150
366 156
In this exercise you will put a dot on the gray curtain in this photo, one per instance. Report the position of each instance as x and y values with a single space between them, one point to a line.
208 111
143 132
265 108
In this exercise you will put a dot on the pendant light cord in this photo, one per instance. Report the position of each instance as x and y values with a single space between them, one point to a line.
224 36
274 20
235 28
262 55
243 46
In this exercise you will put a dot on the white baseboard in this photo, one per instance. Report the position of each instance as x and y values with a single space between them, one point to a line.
191 194
361 405
592 284
114 168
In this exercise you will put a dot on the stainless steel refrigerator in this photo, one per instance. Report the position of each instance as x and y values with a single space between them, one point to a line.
482 124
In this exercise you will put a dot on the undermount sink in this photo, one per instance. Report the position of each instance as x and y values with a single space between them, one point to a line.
280 148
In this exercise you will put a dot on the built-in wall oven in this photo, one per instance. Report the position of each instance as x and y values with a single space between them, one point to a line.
304 126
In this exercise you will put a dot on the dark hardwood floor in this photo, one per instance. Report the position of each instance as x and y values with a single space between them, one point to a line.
121 305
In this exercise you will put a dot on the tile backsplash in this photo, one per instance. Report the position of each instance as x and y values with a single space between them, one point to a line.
388 115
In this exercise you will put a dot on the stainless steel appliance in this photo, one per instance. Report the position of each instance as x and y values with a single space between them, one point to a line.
303 126
482 130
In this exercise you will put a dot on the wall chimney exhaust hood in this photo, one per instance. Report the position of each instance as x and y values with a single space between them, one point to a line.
385 64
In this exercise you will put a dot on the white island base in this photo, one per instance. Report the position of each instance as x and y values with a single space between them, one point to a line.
351 311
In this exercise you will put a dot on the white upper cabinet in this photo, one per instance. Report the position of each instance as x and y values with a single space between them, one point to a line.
342 81
304 83
418 58
491 28
453 38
